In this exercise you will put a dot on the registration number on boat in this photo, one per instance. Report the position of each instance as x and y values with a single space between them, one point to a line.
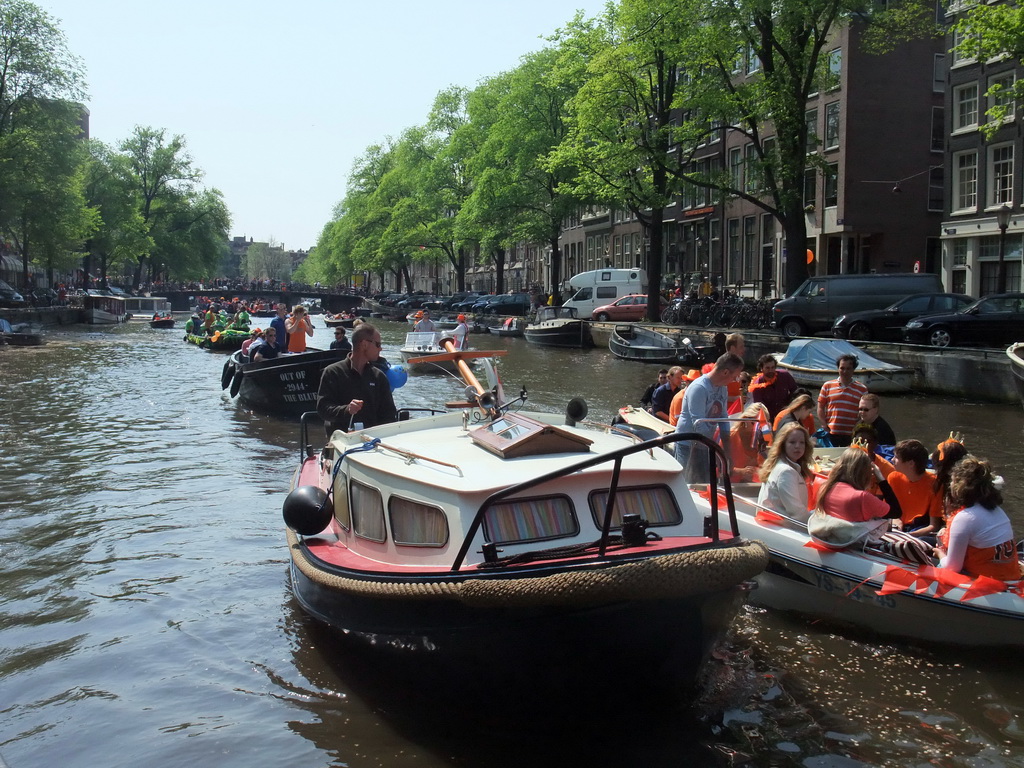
859 592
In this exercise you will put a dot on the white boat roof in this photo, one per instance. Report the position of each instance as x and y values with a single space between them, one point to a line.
438 451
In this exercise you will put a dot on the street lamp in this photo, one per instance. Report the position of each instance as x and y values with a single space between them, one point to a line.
1002 221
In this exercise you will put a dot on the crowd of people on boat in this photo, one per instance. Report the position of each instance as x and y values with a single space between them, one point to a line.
940 508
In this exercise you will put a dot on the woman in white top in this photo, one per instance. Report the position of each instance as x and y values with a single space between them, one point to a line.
785 473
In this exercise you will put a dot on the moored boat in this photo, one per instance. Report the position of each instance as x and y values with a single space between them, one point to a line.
812 362
517 548
1016 354
282 386
104 310
870 589
559 327
636 342
512 327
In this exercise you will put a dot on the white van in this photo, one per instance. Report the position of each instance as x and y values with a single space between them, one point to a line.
590 290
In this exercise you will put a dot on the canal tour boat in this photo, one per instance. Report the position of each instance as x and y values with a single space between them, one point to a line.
516 548
101 309
283 386
870 588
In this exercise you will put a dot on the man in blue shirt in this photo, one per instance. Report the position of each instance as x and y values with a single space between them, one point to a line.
278 325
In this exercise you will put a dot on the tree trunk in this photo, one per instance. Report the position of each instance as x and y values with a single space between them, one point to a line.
556 271
499 270
795 252
460 270
656 233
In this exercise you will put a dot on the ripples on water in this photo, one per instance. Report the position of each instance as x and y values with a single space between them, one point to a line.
145 616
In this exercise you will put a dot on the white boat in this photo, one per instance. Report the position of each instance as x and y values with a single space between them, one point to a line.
517 549
1016 354
868 589
147 306
420 346
812 362
104 310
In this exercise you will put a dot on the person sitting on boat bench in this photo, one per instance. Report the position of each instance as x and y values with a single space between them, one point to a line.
265 349
354 391
645 398
847 512
661 400
868 413
340 341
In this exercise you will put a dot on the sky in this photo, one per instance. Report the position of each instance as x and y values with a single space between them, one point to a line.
277 100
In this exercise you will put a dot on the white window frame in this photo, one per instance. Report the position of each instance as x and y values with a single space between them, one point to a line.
965 182
965 108
1008 78
1000 173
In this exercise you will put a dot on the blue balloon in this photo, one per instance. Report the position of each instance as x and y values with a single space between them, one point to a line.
397 376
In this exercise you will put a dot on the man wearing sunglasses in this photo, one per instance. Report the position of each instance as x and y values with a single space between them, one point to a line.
354 393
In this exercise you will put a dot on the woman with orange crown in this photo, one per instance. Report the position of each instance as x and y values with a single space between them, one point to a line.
981 541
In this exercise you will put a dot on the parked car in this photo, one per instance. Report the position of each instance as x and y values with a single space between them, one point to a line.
994 321
482 302
416 301
467 304
509 304
632 307
392 299
10 297
887 324
449 302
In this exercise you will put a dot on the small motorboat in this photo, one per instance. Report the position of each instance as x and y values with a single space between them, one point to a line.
337 321
812 362
635 342
162 321
20 335
1016 354
522 550
559 327
870 589
512 327
284 386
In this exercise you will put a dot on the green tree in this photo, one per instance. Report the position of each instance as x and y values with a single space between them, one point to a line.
621 125
42 207
120 234
266 260
987 32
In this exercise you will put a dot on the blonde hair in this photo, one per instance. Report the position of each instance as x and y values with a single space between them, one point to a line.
298 308
852 468
778 451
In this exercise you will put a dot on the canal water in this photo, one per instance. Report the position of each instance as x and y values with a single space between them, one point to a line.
146 619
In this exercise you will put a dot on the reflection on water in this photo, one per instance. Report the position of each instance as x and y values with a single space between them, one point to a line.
145 616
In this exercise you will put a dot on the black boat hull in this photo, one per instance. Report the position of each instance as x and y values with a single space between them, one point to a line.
285 386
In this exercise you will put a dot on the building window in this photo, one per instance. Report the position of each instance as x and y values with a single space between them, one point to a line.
960 252
811 118
939 73
810 188
750 249
753 61
1000 173
751 169
965 181
1000 103
832 125
835 67
965 107
832 186
736 168
959 281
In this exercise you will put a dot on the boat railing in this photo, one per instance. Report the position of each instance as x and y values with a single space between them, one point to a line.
616 457
306 450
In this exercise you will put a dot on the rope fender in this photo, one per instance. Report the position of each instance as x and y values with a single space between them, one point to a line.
677 575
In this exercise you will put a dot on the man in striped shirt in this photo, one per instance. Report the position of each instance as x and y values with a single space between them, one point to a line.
838 401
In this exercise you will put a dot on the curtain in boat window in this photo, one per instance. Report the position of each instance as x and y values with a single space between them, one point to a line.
655 504
417 524
530 520
367 512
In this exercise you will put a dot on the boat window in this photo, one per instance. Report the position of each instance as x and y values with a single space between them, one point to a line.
342 512
533 519
367 512
655 504
416 524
